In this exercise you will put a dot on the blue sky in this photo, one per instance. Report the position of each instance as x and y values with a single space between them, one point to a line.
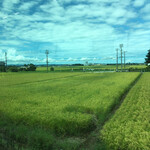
74 31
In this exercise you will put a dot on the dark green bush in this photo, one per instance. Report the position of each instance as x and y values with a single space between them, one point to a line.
52 69
31 67
2 69
13 69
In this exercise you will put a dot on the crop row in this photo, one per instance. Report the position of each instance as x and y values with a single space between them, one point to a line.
129 128
63 104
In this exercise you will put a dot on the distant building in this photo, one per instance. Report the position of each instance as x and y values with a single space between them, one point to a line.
2 66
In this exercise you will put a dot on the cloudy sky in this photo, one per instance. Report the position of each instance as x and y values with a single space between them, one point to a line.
74 31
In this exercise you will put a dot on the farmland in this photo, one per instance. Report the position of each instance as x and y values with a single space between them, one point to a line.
129 128
101 67
56 110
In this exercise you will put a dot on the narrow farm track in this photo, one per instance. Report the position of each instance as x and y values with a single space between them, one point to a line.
92 141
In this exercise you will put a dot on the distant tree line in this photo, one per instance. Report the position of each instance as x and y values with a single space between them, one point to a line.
77 65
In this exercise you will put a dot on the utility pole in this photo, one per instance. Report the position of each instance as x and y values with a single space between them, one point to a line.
121 45
6 60
124 59
117 59
47 52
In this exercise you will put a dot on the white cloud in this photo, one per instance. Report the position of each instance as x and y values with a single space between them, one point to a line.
8 5
3 15
146 9
109 58
146 17
27 5
78 29
138 3
10 42
15 58
145 12
52 7
84 59
71 59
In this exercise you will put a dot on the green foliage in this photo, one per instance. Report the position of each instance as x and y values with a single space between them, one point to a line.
25 136
132 69
2 69
31 67
22 69
52 69
129 128
13 69
28 67
2 66
60 103
147 59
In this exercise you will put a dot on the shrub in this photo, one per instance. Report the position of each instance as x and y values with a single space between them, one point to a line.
52 69
13 69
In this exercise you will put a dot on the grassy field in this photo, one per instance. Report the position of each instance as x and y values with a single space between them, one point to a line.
129 128
88 68
56 110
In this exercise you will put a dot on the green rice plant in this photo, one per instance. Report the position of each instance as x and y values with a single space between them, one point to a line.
47 102
129 128
60 103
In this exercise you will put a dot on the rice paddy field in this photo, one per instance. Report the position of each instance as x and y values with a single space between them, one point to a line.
59 110
129 128
89 68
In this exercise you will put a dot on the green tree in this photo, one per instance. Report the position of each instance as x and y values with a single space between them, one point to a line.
13 69
31 67
147 59
52 69
2 67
